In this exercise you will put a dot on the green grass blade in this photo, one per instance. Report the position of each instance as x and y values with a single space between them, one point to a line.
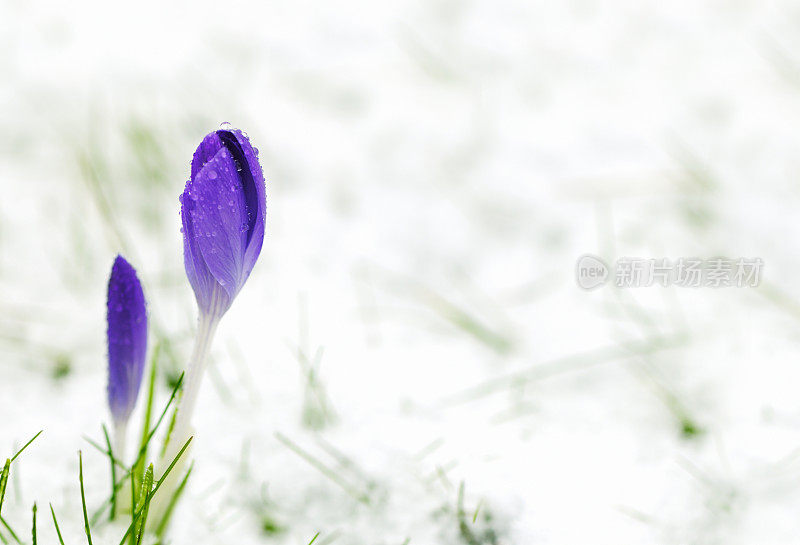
147 487
322 468
133 516
33 531
138 470
10 531
104 452
4 482
26 445
113 465
55 523
130 530
83 499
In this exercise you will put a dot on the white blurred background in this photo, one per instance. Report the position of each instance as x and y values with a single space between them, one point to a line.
434 169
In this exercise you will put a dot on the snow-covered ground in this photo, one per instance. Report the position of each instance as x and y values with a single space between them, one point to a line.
434 170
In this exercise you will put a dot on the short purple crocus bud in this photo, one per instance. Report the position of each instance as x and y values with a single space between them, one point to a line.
223 211
127 340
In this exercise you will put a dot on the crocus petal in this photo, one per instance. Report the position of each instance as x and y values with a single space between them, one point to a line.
219 219
201 279
255 195
127 338
206 151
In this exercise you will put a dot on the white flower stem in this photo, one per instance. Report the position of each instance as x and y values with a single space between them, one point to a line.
193 379
183 430
119 441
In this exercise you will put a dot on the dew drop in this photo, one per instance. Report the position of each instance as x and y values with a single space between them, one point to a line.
225 126
212 174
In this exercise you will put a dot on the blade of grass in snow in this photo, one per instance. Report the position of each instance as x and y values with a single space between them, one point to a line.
26 445
144 497
477 510
4 482
33 530
4 476
466 532
138 466
575 362
322 468
457 316
10 531
113 464
344 460
155 490
55 523
83 499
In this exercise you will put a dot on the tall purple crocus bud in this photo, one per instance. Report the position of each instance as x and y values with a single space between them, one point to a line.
127 344
223 210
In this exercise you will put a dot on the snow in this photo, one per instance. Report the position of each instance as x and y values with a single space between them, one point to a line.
434 169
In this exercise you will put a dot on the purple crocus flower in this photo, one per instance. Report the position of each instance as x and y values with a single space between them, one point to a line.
223 209
127 339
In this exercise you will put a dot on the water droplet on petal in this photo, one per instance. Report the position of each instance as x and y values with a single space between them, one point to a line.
212 174
225 126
